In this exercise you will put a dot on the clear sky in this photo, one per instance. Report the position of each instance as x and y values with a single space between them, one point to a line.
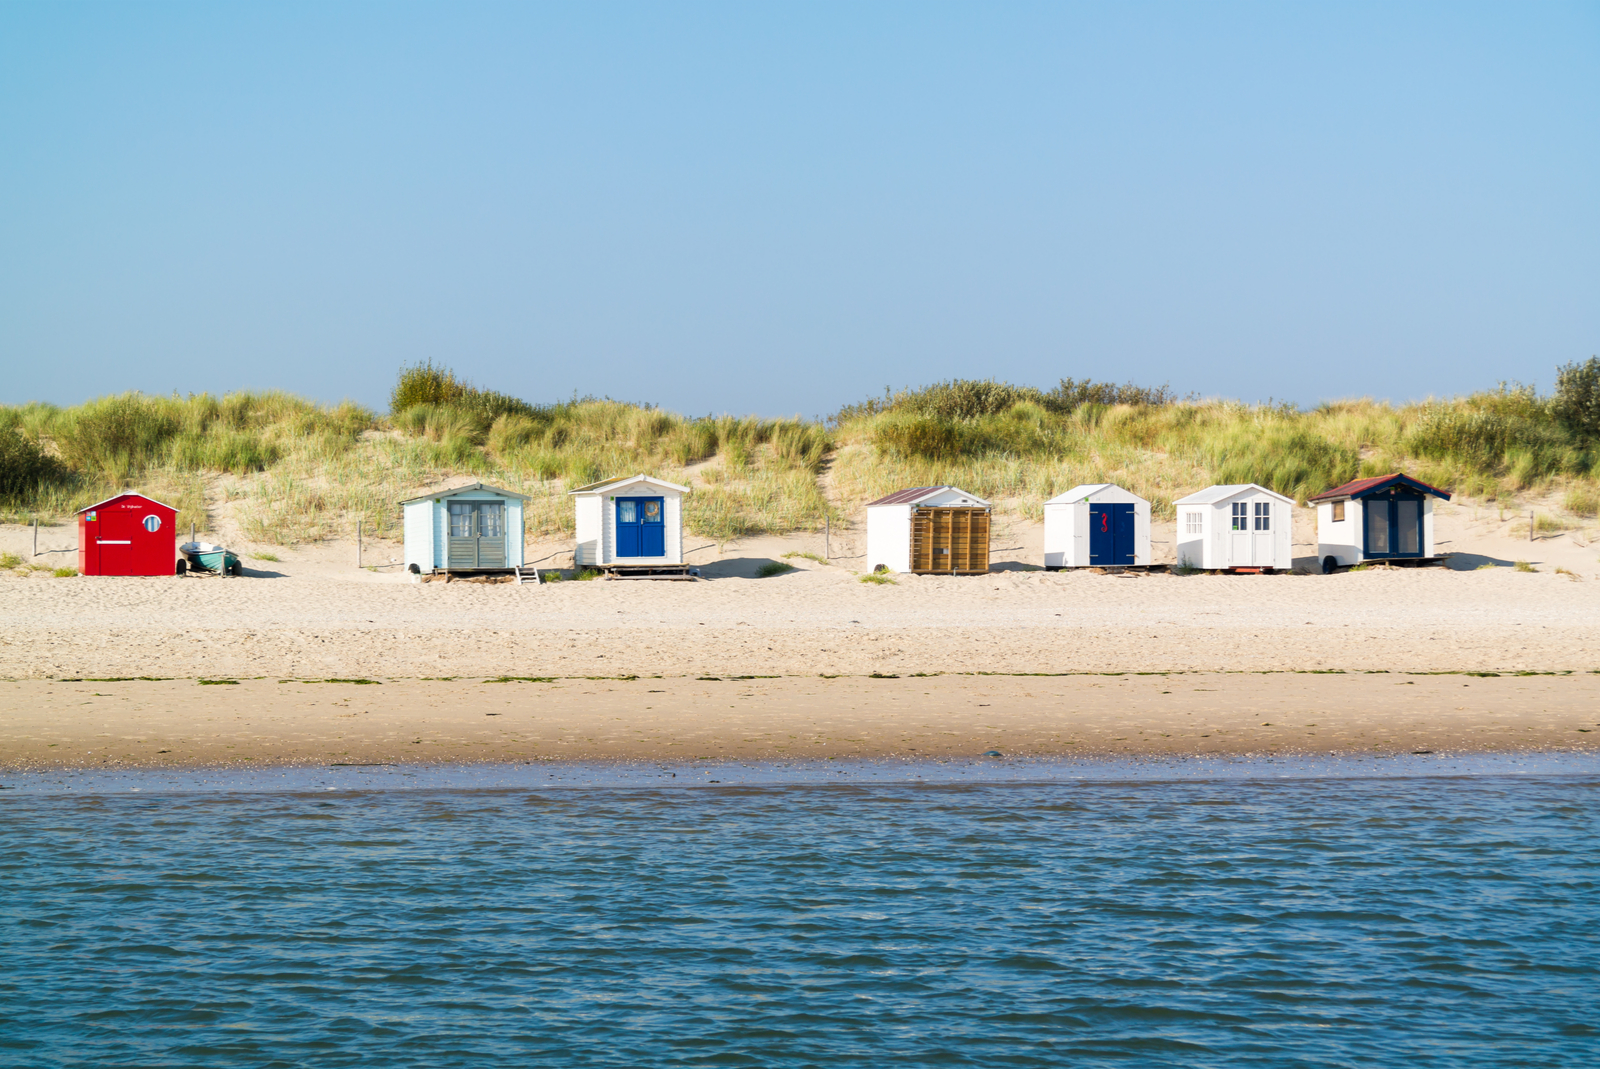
777 208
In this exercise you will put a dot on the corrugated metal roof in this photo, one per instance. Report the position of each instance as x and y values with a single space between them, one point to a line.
1356 487
906 497
454 490
917 494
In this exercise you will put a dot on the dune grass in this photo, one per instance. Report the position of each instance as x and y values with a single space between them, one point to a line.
1490 446
291 471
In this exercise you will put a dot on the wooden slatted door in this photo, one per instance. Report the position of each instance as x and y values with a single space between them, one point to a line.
477 535
950 541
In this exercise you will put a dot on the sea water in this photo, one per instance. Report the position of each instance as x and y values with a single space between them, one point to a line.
915 916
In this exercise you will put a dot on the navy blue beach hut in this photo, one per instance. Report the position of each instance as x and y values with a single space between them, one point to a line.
1384 518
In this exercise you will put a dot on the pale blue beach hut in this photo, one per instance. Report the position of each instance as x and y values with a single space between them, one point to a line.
475 528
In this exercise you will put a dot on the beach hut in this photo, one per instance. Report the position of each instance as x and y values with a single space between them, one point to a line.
930 530
1098 524
475 528
1241 527
129 534
632 524
1384 518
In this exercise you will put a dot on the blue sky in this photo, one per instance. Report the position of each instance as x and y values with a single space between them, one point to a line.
779 208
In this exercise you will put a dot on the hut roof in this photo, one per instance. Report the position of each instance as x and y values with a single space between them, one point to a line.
454 490
1213 494
1086 491
601 486
1362 487
917 494
119 497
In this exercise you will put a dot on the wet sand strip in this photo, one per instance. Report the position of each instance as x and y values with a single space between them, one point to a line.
187 723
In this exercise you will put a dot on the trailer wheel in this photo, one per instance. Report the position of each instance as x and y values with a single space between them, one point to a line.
181 568
236 568
1330 565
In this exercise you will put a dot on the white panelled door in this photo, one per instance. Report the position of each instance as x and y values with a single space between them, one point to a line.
1261 534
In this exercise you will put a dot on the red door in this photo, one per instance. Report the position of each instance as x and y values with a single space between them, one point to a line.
114 539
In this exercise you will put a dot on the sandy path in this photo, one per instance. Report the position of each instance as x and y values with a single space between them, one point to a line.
181 723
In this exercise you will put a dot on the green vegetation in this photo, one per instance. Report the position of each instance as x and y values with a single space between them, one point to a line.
877 580
296 471
25 467
771 568
63 573
1005 443
1582 500
1524 566
267 556
803 556
10 560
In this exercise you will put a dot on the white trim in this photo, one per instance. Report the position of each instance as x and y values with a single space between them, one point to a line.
612 486
119 497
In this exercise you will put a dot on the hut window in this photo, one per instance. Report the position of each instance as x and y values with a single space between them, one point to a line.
1241 515
1263 515
1338 512
1191 523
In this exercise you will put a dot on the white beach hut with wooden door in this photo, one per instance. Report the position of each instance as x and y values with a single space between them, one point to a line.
632 523
930 530
1385 518
1239 527
475 528
1097 524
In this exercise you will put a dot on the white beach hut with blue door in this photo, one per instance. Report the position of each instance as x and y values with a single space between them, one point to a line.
1097 524
1384 518
475 528
630 523
1238 527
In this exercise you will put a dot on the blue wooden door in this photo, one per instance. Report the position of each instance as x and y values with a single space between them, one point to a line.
1393 525
640 530
1122 530
1111 534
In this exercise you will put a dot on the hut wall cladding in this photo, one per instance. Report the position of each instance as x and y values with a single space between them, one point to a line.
950 541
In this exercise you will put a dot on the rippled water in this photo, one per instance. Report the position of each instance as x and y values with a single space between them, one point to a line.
1428 921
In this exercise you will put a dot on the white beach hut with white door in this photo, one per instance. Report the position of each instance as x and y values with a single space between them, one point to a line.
930 530
1098 524
1240 527
475 528
1385 518
633 522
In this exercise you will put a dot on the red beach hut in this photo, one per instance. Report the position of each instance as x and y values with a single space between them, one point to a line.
129 534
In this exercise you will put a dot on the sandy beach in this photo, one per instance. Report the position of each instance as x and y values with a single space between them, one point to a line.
312 615
185 723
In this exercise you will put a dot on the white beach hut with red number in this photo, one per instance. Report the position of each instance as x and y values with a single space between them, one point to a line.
1096 525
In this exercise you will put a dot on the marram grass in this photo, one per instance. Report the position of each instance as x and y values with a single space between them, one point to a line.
292 471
